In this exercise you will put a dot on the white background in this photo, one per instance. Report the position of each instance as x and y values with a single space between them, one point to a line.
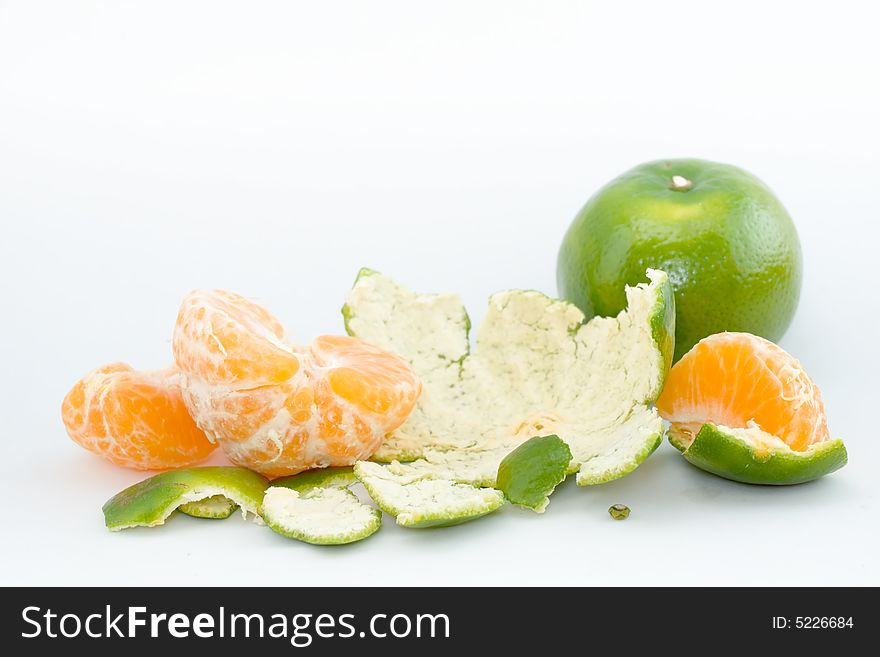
274 148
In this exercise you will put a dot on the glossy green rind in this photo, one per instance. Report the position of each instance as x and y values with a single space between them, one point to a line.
149 502
530 473
721 453
728 244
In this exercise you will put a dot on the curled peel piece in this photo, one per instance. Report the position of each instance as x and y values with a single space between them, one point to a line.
420 500
753 456
316 507
538 369
530 473
149 502
217 507
320 516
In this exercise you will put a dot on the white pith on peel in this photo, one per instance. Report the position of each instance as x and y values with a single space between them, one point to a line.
537 369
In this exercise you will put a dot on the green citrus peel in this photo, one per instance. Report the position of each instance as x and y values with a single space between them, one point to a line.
341 477
755 457
530 473
217 507
316 507
150 502
619 511
420 501
538 368
320 516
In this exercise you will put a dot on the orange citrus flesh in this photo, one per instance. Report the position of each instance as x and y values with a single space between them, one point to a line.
134 419
740 380
278 408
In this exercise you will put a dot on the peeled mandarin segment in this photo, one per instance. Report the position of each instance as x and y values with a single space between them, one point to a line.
235 415
224 338
333 418
151 413
742 381
357 388
300 404
257 318
277 408
135 419
374 380
82 419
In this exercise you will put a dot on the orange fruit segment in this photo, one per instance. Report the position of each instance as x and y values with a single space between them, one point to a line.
229 339
280 408
741 381
363 375
134 419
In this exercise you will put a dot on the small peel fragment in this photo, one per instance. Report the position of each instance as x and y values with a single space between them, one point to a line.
320 516
618 511
538 369
753 456
420 500
149 502
530 473
217 507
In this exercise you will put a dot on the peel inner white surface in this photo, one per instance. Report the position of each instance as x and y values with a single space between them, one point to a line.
319 515
414 499
537 369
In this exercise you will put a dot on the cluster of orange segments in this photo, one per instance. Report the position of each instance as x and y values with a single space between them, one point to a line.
280 409
237 381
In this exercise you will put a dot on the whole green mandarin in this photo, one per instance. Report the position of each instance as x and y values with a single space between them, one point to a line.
728 245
